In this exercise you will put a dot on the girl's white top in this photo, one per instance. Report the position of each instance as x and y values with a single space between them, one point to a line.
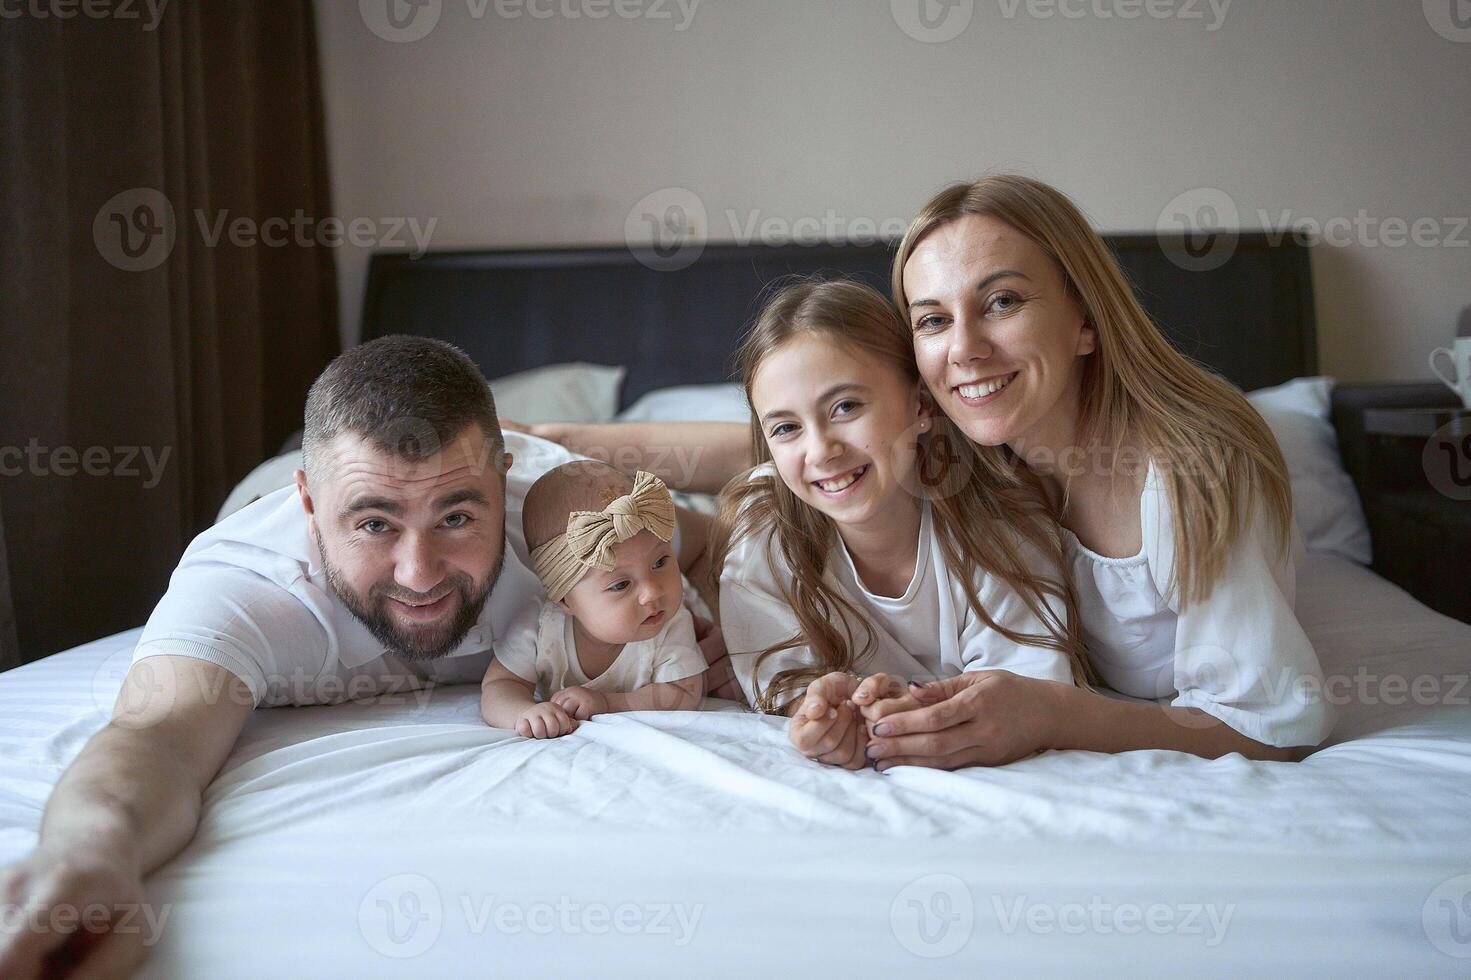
1240 655
929 632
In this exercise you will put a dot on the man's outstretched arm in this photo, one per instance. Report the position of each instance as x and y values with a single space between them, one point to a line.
129 802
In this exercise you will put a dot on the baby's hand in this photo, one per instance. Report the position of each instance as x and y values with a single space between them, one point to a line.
827 726
580 703
881 695
545 720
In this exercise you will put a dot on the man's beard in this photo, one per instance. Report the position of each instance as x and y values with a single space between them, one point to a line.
415 643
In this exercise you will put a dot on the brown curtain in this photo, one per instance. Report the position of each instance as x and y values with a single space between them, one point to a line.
9 646
146 365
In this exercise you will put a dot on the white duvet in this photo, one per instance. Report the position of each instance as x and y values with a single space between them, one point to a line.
408 839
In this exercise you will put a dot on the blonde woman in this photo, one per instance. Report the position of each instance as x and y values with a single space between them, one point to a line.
857 553
1174 495
1171 490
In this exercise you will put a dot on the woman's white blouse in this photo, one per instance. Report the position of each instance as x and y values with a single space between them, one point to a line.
1240 655
929 632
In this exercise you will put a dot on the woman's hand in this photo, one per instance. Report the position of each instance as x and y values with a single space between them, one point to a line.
827 726
980 718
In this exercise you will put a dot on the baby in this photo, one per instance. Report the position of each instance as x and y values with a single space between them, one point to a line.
614 634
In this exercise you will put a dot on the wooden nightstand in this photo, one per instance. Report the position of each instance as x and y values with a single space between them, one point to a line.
1418 502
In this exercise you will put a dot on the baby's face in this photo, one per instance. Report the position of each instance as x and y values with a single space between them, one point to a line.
636 598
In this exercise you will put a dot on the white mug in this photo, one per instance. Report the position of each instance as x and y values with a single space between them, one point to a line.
1460 377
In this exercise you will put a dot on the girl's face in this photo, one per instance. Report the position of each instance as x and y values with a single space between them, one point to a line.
841 426
999 341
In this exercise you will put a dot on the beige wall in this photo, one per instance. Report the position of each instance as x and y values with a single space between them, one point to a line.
512 129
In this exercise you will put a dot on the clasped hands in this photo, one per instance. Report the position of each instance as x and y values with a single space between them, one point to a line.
987 717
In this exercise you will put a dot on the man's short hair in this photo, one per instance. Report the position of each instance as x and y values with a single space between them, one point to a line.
408 396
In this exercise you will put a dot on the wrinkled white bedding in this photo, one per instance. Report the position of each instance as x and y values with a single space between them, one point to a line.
408 839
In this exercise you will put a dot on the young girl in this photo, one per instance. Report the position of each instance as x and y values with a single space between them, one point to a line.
860 543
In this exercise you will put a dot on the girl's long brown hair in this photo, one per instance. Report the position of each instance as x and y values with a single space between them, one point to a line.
1214 453
981 519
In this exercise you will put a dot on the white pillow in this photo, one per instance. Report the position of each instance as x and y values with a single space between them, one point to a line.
266 478
1324 500
559 393
690 403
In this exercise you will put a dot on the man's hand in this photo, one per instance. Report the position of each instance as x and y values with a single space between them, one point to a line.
720 680
545 720
827 726
580 703
60 916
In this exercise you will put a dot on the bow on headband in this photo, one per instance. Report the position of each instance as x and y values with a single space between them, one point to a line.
588 542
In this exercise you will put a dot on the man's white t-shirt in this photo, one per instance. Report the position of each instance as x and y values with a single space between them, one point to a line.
929 632
250 595
549 659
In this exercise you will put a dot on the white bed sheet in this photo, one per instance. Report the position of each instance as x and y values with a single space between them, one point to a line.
408 839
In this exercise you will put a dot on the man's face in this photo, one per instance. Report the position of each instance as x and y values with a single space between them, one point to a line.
411 548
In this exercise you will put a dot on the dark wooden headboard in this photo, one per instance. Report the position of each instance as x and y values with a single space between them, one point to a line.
1251 319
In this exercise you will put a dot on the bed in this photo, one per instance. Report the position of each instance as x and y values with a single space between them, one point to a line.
402 837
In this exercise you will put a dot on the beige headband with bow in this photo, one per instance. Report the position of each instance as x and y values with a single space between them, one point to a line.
588 542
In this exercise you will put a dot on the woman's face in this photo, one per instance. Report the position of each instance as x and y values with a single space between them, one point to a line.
841 426
998 340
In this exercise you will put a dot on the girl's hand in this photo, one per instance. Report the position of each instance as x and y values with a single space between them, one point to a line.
827 726
980 718
881 695
580 703
545 720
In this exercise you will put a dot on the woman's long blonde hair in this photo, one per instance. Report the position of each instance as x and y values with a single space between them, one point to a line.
979 522
1215 454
